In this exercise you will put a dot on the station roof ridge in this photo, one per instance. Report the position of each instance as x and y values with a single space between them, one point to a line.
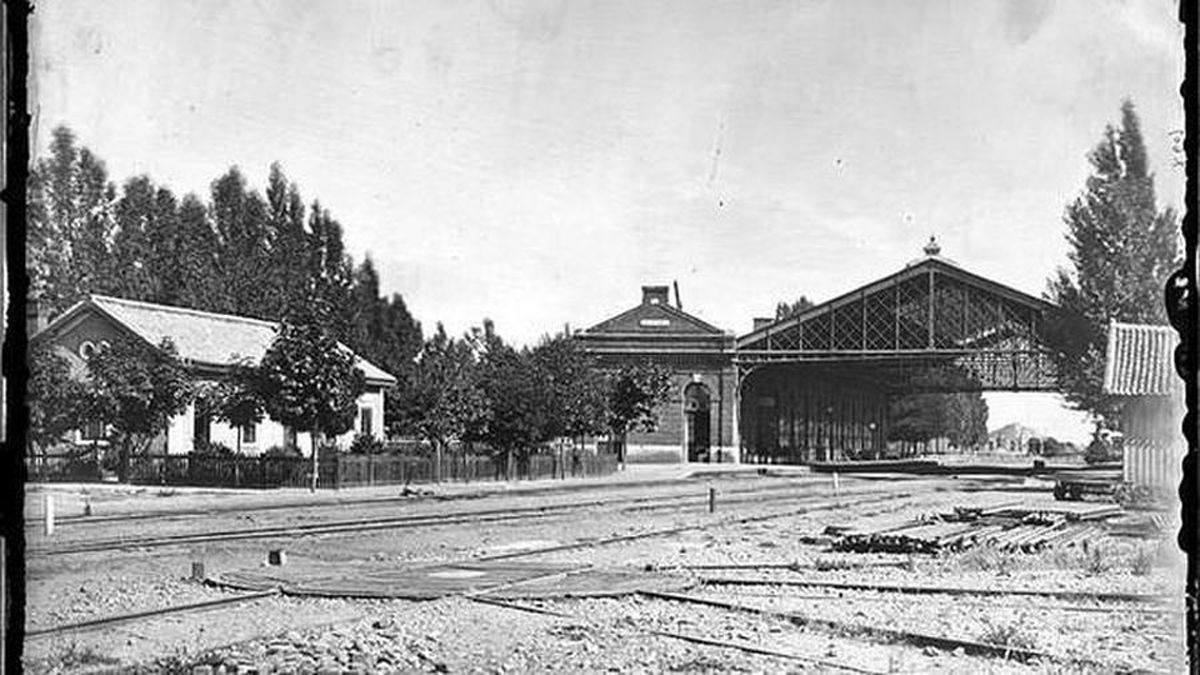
932 262
202 338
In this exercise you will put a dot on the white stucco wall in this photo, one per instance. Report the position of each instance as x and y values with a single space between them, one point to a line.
270 433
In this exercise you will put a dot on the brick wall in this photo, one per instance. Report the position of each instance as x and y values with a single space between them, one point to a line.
671 420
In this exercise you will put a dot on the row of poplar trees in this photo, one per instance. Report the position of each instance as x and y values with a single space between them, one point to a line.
238 251
269 257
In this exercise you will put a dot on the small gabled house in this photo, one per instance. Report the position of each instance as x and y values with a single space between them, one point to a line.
697 423
1139 367
208 344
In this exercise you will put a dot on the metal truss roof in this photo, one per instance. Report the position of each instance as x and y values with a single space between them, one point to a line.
931 315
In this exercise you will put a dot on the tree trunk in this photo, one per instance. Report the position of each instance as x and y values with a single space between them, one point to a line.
437 463
123 461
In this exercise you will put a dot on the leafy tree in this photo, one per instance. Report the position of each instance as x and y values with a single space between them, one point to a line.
574 385
199 260
965 419
309 381
1052 447
635 392
444 401
382 330
519 410
783 310
237 400
56 400
1123 248
240 217
329 269
135 220
961 418
289 241
915 418
518 414
165 239
136 389
396 348
69 224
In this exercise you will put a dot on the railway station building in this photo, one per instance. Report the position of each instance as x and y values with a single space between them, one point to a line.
816 386
697 423
208 344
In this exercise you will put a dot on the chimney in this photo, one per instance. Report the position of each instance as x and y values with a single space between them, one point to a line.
760 321
655 295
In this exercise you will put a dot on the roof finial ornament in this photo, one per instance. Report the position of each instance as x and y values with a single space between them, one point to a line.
932 248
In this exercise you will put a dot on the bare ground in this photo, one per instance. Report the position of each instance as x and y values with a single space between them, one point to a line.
626 634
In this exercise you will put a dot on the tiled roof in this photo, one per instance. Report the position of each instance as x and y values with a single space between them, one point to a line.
1140 360
204 337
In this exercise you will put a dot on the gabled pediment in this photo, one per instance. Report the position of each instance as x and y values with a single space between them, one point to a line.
654 319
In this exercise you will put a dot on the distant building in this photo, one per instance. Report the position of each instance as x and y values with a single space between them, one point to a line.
697 422
1139 366
208 344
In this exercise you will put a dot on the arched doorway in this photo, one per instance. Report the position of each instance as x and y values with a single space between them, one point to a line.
696 417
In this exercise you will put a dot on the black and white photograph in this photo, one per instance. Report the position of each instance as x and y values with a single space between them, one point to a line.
602 336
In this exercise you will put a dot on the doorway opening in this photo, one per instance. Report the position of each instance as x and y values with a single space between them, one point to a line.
696 416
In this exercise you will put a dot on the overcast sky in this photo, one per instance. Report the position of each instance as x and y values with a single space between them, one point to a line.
536 162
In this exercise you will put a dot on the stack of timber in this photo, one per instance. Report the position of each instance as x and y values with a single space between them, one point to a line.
1006 527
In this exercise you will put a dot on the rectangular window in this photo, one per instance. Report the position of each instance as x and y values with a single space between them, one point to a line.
201 424
289 437
92 431
365 425
250 433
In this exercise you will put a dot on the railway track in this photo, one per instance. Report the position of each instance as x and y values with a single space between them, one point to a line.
686 637
957 600
861 494
644 503
941 642
105 622
936 590
66 521
863 631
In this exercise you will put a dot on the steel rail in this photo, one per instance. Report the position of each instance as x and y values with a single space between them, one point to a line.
176 609
1154 611
836 565
913 638
70 520
695 639
171 516
687 528
935 590
584 544
393 522
484 515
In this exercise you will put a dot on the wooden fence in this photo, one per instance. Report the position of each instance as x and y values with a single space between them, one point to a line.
335 471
